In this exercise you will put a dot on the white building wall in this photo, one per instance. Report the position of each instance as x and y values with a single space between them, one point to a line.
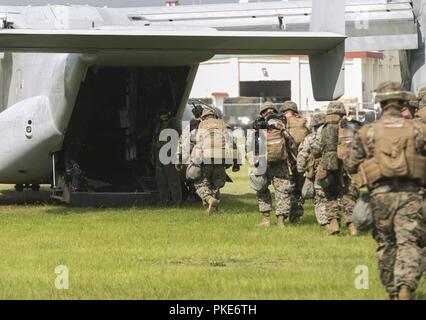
225 74
376 71
217 76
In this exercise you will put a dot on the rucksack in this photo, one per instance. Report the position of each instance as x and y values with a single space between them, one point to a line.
214 140
394 150
275 145
297 127
347 130
329 143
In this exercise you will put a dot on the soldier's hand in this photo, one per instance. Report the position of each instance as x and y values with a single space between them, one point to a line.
178 167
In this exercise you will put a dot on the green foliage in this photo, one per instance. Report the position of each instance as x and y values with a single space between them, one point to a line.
178 254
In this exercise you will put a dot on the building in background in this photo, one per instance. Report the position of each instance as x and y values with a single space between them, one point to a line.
279 78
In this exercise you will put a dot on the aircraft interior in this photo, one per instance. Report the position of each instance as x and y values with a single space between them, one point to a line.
107 147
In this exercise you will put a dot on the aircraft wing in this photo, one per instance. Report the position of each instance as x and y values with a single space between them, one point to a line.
206 41
370 24
80 29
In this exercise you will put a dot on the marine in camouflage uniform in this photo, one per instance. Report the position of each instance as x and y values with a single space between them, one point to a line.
396 201
297 129
214 175
276 174
334 184
166 175
307 165
351 182
421 116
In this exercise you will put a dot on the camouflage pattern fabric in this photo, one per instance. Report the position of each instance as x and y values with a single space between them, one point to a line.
399 226
322 206
349 198
277 174
329 200
304 153
213 179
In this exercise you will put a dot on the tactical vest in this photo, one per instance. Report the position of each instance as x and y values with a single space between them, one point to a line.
276 145
297 128
393 147
214 140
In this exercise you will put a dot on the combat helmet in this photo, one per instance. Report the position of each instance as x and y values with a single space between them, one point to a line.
336 107
289 106
391 90
208 111
317 120
268 106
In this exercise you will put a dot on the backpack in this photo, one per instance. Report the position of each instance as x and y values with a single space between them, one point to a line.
298 129
214 140
275 145
329 142
394 150
347 130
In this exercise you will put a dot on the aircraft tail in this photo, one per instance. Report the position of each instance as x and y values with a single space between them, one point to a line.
327 68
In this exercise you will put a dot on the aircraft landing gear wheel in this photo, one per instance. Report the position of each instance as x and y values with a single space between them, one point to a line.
19 187
35 187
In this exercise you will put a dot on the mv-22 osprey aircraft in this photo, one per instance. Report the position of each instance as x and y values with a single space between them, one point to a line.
80 86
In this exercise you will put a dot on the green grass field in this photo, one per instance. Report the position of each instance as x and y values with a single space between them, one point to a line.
178 254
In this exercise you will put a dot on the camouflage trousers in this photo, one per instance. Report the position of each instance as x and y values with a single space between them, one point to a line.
213 179
169 185
277 175
400 234
320 206
340 196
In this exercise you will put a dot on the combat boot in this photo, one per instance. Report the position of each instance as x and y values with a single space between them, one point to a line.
333 228
405 293
213 205
266 223
280 222
352 230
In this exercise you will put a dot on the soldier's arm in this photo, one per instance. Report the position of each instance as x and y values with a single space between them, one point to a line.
315 144
303 155
356 156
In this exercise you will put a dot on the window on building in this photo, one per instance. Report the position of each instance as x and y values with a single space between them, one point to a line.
280 90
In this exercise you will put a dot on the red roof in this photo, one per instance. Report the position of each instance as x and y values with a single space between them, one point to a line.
220 94
365 54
